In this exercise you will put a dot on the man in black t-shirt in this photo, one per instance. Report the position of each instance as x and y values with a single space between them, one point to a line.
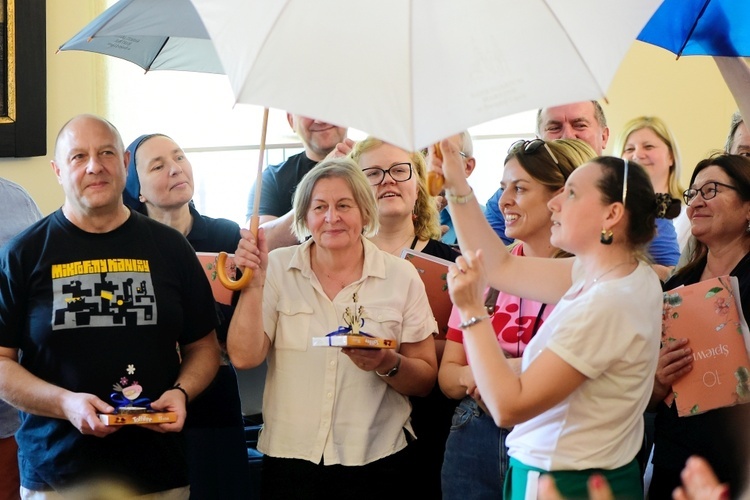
279 181
111 310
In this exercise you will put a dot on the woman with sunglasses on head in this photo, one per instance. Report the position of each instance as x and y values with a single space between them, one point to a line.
718 206
648 141
408 218
476 458
586 376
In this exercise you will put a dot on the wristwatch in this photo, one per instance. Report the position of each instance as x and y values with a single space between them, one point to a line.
393 371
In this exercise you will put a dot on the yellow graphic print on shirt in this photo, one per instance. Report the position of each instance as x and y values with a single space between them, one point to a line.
102 292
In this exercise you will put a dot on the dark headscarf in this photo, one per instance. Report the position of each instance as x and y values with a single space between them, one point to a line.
132 184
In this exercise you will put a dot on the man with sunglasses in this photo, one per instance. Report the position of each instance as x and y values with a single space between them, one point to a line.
579 120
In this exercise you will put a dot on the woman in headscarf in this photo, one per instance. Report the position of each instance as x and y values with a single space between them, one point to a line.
160 185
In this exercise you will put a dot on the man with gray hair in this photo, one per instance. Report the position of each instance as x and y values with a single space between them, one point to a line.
583 120
466 147
114 314
736 74
738 139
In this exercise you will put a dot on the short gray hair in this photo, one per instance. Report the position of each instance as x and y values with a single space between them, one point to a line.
599 116
342 168
467 145
733 126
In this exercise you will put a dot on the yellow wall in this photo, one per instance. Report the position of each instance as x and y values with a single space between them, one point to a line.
688 94
72 80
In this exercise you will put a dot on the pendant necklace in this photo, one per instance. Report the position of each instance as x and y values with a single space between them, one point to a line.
337 281
402 245
596 280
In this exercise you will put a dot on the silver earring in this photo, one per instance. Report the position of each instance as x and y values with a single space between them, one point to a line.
747 229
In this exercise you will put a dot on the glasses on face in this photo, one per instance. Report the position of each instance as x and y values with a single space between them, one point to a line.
399 172
708 191
531 147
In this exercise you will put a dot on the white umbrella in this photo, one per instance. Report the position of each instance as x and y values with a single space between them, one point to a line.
155 35
411 72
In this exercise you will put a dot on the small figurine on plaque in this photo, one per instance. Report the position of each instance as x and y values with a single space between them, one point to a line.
130 409
351 335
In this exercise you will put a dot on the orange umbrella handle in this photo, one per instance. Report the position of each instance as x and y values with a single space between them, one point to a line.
247 274
435 181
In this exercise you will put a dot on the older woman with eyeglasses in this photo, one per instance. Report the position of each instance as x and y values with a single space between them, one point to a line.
718 206
476 457
577 405
408 218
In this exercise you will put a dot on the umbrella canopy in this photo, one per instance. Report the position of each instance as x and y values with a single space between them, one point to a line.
414 71
155 35
700 27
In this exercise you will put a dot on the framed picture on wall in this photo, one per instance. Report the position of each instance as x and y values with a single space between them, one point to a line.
23 78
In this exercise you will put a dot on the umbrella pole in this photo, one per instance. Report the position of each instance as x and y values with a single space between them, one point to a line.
247 274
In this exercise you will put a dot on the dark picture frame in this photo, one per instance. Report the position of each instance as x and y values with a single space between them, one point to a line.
23 79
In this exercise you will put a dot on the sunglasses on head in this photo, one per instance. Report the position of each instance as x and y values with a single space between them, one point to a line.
531 147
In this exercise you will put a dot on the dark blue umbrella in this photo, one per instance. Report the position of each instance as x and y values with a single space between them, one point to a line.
701 27
155 35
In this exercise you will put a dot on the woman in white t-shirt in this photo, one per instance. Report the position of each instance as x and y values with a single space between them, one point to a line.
476 457
586 376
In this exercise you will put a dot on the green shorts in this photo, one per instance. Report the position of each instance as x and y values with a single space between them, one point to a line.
521 481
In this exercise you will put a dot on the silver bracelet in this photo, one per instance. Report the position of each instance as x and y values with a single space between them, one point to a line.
460 200
473 321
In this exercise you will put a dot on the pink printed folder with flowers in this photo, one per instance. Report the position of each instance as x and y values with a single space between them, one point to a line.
709 315
209 262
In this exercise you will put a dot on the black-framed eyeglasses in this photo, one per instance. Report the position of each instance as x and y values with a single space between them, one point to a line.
708 191
399 172
531 147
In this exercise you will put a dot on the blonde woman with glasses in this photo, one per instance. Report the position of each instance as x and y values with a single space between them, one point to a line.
408 218
585 379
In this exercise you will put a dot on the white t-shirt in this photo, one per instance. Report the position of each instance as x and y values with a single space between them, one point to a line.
610 333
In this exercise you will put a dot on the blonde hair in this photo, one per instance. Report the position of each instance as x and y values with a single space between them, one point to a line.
342 168
427 220
659 127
